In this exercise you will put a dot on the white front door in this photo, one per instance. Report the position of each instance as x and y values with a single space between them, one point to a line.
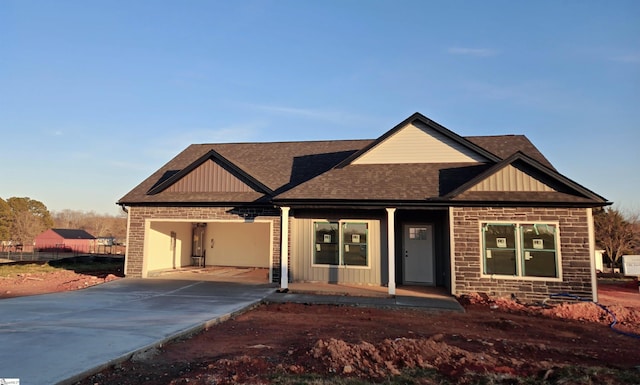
418 263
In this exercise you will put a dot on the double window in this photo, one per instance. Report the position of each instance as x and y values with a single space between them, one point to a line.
521 249
341 243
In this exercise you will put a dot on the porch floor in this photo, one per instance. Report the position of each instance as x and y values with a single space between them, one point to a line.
417 297
366 290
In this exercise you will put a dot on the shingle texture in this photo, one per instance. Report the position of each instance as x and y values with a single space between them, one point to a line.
307 171
278 166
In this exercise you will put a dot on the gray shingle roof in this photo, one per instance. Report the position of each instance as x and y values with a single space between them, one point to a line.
305 171
506 145
73 234
386 182
278 165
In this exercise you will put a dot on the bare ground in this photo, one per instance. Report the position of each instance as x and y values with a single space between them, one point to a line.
25 284
495 337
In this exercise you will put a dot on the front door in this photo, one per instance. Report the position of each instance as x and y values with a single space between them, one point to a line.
418 263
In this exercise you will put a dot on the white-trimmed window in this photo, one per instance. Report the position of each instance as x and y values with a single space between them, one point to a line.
342 243
521 249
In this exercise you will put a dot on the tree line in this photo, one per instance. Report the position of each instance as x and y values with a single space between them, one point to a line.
23 218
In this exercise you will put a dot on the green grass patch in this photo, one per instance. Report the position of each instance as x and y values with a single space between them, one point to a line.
79 265
13 269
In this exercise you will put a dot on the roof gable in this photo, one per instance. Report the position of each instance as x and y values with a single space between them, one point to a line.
512 177
420 140
520 174
209 176
210 173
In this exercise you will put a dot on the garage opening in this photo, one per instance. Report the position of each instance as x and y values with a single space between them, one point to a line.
225 249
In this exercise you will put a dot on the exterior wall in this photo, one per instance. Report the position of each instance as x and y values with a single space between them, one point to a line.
575 253
138 216
161 248
251 238
303 270
51 240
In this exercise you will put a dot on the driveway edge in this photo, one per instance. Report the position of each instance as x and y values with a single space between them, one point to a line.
190 331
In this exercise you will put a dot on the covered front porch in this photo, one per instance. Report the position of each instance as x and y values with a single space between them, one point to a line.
399 246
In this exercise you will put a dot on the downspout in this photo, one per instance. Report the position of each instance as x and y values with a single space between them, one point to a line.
592 255
452 253
126 247
284 248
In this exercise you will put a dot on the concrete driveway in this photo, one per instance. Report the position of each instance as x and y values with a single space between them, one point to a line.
59 338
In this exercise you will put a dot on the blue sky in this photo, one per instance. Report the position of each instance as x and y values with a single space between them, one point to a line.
95 96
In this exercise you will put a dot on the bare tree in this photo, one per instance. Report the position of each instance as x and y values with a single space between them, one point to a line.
68 219
616 232
98 225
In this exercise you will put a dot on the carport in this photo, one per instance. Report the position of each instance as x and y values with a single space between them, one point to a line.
178 244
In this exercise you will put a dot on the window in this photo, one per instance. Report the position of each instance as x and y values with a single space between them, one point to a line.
354 239
327 251
341 243
539 250
526 249
500 249
418 233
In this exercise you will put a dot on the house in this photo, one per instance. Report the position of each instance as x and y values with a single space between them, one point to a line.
419 205
69 240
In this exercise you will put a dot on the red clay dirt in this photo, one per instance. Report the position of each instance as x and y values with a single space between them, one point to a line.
494 336
42 283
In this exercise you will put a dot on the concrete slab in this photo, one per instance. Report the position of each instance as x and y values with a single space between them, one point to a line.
59 338
426 303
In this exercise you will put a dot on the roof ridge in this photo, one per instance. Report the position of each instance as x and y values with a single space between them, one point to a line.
285 142
492 136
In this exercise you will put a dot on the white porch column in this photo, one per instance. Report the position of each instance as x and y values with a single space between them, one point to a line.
391 252
284 247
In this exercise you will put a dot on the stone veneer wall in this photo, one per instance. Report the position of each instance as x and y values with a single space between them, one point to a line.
138 215
574 250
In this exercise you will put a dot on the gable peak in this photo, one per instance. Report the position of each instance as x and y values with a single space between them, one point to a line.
419 139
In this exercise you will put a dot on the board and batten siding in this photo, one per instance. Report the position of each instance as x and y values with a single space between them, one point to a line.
511 179
209 177
418 144
303 270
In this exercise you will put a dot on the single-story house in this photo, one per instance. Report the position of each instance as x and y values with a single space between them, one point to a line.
68 240
420 205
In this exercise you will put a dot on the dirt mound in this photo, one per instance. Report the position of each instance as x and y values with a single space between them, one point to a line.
626 317
390 357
